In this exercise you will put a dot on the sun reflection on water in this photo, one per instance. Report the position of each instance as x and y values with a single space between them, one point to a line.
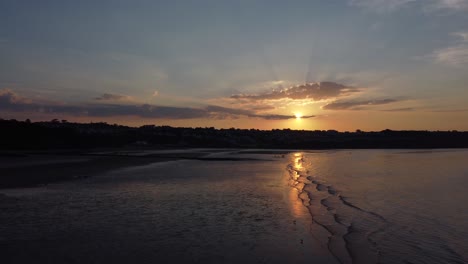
297 209
296 181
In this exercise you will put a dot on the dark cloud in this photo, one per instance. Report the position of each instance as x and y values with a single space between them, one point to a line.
314 91
144 111
450 110
225 110
357 105
9 101
112 97
218 110
12 102
279 117
8 97
406 109
262 107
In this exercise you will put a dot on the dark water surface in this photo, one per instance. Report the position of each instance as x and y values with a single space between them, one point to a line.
358 206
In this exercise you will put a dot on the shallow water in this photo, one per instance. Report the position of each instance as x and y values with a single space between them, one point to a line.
388 206
347 206
170 212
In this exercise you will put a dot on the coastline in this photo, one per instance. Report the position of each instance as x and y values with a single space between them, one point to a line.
31 168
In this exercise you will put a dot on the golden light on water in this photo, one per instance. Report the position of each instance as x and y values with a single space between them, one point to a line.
296 206
298 163
296 194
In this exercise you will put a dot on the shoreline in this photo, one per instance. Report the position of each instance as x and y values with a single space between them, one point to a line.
22 169
29 168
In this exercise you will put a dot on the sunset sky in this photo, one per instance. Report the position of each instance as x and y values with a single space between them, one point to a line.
340 64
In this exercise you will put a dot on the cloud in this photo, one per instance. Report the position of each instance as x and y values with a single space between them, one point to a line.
462 35
113 97
281 117
406 109
451 110
144 111
382 6
8 97
225 110
10 101
452 56
456 55
459 5
313 91
357 105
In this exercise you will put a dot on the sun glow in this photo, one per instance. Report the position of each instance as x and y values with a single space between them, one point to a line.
298 115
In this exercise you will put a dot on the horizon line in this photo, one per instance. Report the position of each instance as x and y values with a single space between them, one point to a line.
63 121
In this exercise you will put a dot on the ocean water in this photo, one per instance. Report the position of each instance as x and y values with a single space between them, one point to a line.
387 206
250 206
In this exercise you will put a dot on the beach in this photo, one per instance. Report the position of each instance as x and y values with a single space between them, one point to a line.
232 205
227 209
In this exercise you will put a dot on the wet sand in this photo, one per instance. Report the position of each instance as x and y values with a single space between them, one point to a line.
34 170
27 169
212 207
387 206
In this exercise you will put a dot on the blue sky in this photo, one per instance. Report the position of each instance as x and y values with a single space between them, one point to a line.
405 60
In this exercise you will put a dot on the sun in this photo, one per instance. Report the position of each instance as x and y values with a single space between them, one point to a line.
298 115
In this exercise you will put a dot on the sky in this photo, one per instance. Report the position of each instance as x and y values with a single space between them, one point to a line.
312 65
